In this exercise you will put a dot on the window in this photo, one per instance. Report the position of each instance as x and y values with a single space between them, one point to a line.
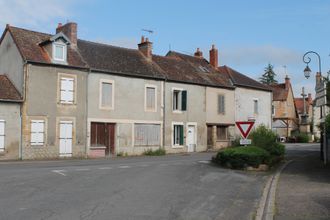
221 104
147 135
150 98
2 135
179 100
256 109
37 132
106 94
177 134
67 90
59 52
222 133
273 110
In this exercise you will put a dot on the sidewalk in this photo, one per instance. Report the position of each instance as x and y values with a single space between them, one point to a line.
303 190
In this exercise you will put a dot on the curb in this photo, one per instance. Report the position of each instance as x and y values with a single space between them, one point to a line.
266 208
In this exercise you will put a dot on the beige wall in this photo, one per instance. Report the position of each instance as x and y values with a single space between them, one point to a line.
42 102
10 112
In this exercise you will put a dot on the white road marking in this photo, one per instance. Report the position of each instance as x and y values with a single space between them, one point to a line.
204 161
60 172
83 169
105 168
124 167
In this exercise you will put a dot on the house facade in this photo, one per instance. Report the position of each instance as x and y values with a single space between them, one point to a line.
285 116
82 98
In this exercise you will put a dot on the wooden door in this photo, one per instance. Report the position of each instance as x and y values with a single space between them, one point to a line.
110 138
103 135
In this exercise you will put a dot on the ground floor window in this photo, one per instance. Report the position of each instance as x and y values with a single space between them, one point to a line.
147 135
37 132
2 135
177 134
222 132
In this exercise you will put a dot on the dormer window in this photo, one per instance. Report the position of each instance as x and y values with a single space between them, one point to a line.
59 52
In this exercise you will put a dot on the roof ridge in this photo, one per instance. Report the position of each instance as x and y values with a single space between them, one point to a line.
108 45
24 29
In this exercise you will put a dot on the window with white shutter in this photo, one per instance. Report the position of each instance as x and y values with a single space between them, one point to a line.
256 107
2 135
221 104
106 95
147 135
150 96
67 90
37 132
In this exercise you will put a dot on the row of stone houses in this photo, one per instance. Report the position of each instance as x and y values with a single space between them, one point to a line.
65 97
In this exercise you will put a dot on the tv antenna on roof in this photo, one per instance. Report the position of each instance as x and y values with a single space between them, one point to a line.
149 31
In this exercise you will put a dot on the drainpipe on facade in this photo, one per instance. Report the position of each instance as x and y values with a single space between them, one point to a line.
164 121
86 137
25 73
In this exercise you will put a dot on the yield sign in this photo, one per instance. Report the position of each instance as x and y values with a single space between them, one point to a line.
244 127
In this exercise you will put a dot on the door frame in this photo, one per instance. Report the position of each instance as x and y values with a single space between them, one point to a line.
194 124
66 121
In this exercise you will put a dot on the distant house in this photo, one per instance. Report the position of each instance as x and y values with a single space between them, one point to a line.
305 115
285 116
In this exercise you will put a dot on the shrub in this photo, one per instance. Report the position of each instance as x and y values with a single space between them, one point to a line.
277 149
241 157
302 138
263 137
158 152
236 142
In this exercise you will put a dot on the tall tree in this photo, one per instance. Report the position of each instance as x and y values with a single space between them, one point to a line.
269 76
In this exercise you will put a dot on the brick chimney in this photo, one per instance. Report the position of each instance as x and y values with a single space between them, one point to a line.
310 100
198 53
145 47
214 56
287 82
70 30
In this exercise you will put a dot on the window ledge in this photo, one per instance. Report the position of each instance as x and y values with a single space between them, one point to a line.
177 146
177 112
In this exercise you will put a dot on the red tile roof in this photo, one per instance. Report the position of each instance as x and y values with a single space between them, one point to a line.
299 102
28 44
279 92
8 92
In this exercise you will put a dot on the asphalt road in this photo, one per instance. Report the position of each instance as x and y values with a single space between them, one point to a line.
168 187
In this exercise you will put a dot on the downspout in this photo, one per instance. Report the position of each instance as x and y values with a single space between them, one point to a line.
86 110
164 112
25 73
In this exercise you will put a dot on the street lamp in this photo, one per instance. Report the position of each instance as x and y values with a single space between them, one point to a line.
320 94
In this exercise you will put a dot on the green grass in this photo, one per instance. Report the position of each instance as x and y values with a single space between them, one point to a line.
158 152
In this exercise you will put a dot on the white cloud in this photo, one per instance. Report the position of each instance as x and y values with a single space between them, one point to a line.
257 55
40 14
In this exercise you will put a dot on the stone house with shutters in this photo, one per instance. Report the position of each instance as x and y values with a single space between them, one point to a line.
51 77
82 98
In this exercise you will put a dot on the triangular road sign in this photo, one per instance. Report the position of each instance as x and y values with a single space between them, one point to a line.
244 127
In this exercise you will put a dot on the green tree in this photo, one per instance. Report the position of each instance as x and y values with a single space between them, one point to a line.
269 76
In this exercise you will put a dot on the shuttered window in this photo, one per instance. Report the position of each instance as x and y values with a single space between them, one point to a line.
178 135
179 100
150 98
37 132
2 135
147 135
222 133
221 104
107 91
256 107
67 90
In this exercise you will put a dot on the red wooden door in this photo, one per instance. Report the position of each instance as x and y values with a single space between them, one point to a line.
110 138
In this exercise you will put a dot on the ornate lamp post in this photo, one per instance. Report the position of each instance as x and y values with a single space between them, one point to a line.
321 95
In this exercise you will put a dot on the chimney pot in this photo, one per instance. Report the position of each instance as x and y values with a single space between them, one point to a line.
287 82
198 53
142 39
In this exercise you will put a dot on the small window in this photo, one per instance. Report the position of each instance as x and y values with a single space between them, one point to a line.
256 107
106 95
147 135
273 110
2 135
37 132
221 104
67 90
222 133
178 135
150 98
59 53
179 100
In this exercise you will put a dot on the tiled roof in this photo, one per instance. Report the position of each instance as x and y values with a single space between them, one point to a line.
28 44
183 68
240 79
117 59
279 92
8 92
299 102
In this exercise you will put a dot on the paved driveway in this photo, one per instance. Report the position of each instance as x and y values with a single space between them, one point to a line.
169 187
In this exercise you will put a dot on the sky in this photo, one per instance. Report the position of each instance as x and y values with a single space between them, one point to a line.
248 34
